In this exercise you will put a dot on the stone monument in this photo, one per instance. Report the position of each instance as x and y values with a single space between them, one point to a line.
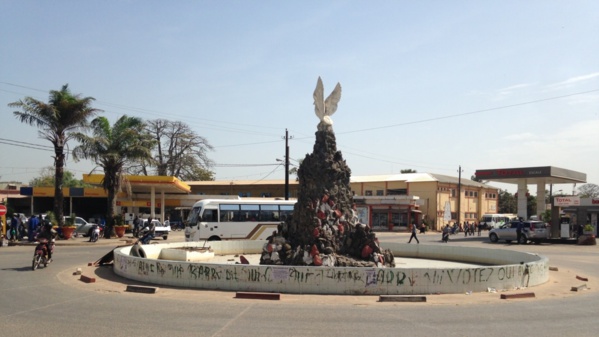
324 227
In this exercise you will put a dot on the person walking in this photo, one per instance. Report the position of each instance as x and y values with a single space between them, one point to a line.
479 228
519 230
414 230
466 228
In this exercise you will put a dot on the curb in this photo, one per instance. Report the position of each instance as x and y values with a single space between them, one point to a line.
400 298
516 296
258 296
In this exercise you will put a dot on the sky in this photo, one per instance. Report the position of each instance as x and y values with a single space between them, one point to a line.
432 86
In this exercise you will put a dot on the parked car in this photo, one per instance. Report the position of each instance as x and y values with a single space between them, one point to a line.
83 227
161 230
535 231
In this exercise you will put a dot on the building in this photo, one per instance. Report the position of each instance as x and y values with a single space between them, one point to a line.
389 202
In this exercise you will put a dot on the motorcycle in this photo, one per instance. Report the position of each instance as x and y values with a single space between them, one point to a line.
95 233
40 256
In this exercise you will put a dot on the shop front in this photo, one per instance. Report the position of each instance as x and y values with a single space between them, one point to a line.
393 213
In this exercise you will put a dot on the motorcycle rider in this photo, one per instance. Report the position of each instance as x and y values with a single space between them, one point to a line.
47 233
150 234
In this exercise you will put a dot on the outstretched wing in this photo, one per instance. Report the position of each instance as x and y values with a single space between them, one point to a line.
319 99
331 103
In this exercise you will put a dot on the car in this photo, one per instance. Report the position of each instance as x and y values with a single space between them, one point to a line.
160 229
535 231
83 227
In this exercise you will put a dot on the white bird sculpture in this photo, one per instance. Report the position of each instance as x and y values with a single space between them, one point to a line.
326 108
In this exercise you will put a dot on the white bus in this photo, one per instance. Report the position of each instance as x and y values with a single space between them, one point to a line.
227 219
490 221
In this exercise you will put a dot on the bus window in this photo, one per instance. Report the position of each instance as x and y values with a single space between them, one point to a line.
286 211
229 213
250 212
269 212
210 215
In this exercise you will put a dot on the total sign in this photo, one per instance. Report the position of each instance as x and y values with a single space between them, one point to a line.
566 201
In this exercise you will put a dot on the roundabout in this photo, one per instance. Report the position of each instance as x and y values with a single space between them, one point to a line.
486 269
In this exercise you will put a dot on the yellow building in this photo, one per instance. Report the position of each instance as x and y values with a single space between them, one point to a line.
397 199
383 201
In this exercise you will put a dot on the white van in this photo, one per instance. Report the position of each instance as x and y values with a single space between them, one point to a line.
490 221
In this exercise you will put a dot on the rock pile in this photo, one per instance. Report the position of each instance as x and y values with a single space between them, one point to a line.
324 229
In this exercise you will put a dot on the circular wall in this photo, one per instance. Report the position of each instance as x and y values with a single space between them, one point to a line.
500 269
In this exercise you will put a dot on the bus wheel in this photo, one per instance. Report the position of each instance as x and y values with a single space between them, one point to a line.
214 238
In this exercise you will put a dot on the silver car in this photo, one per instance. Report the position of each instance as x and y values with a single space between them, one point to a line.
535 231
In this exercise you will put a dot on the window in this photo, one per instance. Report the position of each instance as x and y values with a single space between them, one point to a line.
269 213
229 213
210 215
397 191
368 193
380 192
452 191
286 211
250 212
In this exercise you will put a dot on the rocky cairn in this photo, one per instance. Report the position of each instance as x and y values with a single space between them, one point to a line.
324 228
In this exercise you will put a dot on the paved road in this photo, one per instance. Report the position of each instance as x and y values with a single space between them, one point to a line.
53 302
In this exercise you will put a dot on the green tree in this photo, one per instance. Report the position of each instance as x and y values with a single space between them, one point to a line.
46 179
110 148
507 202
63 115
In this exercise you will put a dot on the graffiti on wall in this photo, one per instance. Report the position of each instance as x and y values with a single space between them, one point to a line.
359 277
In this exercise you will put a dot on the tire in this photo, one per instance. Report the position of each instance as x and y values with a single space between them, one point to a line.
214 238
164 237
493 237
36 262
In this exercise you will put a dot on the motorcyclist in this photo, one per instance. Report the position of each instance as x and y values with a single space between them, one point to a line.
150 233
47 233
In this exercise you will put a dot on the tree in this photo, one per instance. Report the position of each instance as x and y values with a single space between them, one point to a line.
588 191
408 171
477 179
507 202
46 179
110 148
178 152
63 115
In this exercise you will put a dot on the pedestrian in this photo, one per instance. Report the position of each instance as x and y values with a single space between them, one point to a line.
472 228
136 225
519 230
14 227
32 224
466 228
445 236
479 228
414 230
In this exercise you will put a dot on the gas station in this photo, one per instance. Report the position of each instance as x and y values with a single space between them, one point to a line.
539 176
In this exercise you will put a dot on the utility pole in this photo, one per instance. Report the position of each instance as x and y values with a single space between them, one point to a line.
287 164
459 193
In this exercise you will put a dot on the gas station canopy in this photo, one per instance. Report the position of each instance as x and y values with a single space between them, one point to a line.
145 184
532 175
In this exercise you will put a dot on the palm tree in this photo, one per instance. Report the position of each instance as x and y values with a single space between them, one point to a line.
111 148
63 115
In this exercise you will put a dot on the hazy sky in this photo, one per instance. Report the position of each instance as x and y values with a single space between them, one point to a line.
427 85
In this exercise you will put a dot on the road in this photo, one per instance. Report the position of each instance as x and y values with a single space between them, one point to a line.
51 302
